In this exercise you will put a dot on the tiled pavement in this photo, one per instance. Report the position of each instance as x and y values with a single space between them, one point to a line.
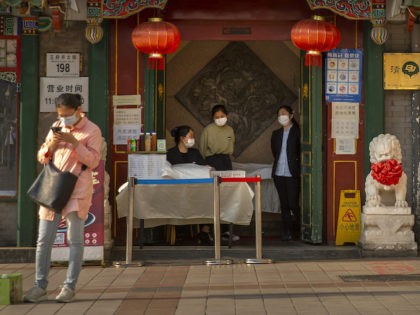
299 287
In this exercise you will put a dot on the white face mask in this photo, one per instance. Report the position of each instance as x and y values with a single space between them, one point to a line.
70 120
220 121
284 120
189 143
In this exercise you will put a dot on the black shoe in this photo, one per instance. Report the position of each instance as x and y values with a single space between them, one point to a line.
205 239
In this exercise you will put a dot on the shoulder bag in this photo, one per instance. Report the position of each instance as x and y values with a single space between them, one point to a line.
53 188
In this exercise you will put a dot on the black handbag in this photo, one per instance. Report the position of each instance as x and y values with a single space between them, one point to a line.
53 188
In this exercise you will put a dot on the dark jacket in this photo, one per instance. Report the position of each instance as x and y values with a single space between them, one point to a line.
174 156
293 149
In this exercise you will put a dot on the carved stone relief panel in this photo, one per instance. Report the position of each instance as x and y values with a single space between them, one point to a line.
251 92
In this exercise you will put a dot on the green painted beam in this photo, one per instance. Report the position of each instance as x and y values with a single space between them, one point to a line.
311 118
154 100
315 96
160 104
98 82
149 97
28 130
374 91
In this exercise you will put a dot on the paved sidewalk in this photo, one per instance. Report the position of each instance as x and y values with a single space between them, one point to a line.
315 287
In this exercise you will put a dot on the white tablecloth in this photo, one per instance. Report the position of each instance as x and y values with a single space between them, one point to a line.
187 203
269 198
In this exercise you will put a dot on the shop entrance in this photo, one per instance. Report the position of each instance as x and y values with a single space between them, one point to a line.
264 48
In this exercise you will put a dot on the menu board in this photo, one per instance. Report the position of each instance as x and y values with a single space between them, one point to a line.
343 75
146 166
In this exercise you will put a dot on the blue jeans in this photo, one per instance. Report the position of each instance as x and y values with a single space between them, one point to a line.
46 236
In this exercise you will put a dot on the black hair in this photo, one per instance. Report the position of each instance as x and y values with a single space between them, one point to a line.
290 111
180 131
218 108
69 100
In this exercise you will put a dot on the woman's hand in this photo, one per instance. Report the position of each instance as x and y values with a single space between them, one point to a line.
65 137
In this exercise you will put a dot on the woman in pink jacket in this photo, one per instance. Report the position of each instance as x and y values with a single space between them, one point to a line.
76 143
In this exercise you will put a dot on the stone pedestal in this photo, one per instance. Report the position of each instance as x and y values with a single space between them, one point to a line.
387 231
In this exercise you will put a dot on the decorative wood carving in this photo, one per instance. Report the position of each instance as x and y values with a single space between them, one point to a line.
251 92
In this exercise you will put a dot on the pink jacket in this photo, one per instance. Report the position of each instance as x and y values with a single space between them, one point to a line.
66 158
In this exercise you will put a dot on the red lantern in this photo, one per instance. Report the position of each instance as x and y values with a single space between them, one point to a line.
156 38
315 36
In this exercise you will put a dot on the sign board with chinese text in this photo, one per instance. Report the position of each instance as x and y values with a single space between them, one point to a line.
345 120
348 223
146 165
51 88
401 71
127 124
343 75
63 64
343 146
119 100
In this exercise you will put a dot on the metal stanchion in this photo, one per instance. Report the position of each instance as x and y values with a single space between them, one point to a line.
129 241
216 206
258 231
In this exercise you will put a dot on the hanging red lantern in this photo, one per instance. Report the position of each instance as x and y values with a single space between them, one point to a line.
315 36
156 38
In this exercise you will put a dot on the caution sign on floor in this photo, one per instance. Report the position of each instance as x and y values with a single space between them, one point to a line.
348 223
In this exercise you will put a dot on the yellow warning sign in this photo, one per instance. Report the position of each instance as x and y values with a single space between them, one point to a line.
348 223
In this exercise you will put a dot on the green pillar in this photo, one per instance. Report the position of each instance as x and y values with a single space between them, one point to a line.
28 130
98 82
317 159
374 91
311 108
154 100
160 104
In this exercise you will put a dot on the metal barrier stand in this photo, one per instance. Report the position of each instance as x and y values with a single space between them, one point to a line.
216 214
129 242
258 231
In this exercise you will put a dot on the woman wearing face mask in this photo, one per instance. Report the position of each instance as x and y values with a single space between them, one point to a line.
285 146
216 145
183 151
73 144
217 140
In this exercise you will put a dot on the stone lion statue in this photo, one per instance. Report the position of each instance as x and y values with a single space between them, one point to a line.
386 179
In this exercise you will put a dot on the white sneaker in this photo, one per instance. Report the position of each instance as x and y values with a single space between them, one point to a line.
66 295
35 295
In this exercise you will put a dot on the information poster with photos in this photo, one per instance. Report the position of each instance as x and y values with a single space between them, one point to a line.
343 75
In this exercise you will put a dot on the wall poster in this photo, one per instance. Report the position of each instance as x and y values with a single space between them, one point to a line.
343 75
345 126
127 124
